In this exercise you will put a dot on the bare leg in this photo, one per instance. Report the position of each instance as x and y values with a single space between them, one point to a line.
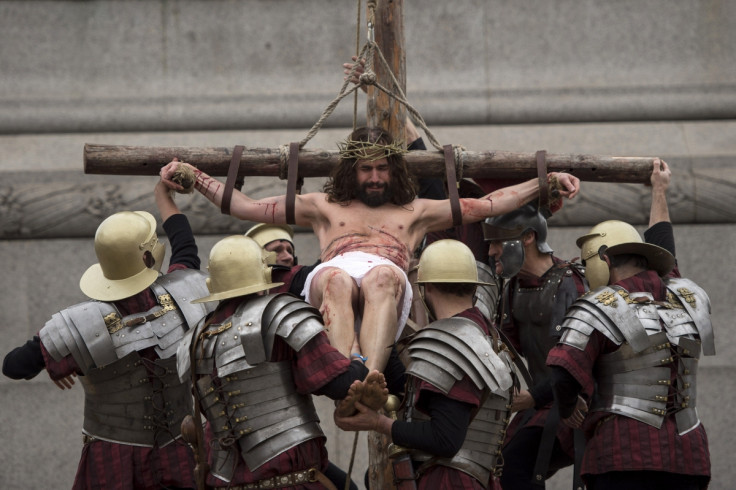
336 292
381 291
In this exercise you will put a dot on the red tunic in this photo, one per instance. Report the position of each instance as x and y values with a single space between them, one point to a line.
619 443
315 365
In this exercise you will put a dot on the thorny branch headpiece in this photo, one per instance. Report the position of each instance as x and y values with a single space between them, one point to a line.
366 150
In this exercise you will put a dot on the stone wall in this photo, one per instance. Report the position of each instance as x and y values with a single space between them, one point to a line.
631 78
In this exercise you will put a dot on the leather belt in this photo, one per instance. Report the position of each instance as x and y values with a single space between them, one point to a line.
287 480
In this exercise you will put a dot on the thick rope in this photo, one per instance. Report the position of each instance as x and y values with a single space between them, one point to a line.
357 51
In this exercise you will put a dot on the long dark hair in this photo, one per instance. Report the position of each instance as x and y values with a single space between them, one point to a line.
342 186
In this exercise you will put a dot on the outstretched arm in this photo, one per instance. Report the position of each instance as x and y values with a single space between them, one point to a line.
266 210
436 214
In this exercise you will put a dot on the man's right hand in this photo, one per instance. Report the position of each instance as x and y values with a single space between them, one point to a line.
661 175
167 171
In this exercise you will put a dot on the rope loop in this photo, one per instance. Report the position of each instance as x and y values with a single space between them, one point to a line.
283 162
459 163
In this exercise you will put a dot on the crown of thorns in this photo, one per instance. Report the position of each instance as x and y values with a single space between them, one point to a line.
367 150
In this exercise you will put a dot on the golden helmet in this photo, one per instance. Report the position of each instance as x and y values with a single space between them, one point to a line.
448 261
237 267
265 233
130 257
619 238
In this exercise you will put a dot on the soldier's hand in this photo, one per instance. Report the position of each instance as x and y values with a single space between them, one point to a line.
661 175
522 401
575 421
359 70
66 382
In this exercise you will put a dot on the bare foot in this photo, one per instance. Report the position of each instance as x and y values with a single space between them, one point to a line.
375 392
346 406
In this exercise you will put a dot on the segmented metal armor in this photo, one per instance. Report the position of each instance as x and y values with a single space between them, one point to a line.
539 325
441 354
130 399
486 297
656 338
252 403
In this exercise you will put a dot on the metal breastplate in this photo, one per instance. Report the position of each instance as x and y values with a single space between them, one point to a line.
656 338
252 404
537 312
135 401
443 353
94 333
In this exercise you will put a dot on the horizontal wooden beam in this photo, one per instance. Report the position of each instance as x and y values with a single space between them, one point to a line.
267 162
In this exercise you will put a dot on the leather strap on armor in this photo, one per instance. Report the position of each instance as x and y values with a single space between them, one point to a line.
232 179
546 445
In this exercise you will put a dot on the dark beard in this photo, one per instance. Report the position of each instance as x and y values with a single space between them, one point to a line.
373 199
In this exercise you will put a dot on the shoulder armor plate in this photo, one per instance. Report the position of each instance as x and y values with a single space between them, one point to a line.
81 331
697 303
446 350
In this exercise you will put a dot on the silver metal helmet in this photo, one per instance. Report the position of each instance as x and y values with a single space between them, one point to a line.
509 228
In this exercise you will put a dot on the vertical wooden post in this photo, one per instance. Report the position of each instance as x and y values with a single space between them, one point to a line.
383 111
388 114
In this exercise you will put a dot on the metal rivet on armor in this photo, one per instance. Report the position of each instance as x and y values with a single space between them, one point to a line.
686 371
137 331
97 334
235 337
249 324
558 327
123 335
538 477
163 324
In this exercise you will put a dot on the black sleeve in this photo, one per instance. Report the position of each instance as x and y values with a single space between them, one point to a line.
661 234
181 238
395 373
24 362
542 394
428 188
300 278
566 390
443 434
337 388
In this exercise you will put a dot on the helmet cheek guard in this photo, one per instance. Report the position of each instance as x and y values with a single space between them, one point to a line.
512 258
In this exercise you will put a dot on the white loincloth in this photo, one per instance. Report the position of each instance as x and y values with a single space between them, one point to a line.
357 265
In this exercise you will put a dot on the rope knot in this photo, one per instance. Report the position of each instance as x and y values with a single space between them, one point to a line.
368 78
